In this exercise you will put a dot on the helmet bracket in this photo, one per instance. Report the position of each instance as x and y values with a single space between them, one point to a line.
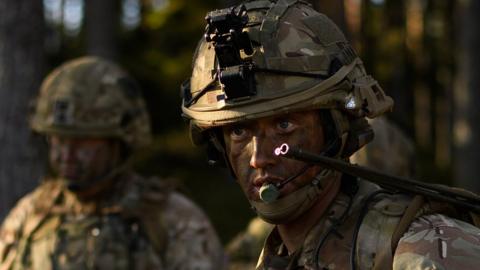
225 31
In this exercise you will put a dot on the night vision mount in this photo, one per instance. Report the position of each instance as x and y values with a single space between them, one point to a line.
225 31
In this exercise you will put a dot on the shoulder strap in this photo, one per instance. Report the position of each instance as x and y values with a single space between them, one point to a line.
418 206
375 233
155 229
407 219
422 206
145 201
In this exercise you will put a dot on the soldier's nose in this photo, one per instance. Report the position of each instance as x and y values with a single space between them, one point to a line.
261 156
67 152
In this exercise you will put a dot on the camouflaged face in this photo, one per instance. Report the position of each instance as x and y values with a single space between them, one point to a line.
290 36
389 141
91 97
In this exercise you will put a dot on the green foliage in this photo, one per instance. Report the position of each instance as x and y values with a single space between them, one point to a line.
159 53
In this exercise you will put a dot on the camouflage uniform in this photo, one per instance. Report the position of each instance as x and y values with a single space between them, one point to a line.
139 224
126 221
243 250
265 59
432 241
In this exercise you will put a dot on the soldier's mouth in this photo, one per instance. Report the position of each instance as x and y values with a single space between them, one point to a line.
69 172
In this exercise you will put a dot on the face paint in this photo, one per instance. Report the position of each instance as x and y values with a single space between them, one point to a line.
250 147
82 162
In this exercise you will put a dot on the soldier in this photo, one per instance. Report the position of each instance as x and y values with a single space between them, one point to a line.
243 249
274 72
389 141
94 212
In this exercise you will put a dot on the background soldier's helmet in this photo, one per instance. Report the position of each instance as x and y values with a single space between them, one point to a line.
92 97
266 58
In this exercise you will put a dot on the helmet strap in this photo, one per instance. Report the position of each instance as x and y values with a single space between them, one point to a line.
292 206
105 181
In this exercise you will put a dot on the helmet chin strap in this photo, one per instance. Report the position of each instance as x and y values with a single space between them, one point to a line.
290 207
104 181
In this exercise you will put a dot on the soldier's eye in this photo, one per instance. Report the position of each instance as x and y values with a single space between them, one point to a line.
239 132
284 124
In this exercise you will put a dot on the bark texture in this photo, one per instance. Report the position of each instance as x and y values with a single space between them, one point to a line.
102 23
22 162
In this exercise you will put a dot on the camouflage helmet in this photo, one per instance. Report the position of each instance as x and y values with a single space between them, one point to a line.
265 58
92 97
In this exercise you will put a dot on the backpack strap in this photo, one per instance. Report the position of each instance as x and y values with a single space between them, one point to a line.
420 206
145 202
155 230
373 244
408 217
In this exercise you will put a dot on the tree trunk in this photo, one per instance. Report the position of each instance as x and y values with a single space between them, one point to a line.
22 162
101 25
394 55
467 98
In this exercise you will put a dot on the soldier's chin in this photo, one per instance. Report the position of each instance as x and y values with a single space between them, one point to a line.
75 185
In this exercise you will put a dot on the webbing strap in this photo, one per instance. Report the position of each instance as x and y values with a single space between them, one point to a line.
407 219
384 258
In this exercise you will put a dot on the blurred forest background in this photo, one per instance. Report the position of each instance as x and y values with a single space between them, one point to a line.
425 53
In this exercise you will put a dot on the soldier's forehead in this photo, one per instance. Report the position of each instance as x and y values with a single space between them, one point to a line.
296 115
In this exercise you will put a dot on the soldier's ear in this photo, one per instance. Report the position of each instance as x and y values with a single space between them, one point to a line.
216 152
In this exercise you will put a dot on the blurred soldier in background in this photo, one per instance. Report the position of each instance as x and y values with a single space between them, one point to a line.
243 250
93 212
275 72
389 142
391 151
